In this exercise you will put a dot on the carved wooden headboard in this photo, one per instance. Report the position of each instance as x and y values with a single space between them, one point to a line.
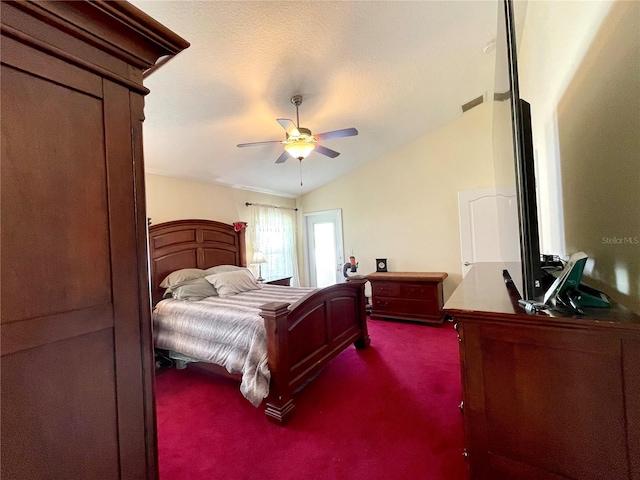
192 244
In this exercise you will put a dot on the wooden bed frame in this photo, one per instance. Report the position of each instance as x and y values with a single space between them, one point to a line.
300 340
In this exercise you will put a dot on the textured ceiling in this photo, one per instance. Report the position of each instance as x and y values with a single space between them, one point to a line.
395 70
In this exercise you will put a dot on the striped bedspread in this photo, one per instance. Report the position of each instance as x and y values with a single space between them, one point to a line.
226 331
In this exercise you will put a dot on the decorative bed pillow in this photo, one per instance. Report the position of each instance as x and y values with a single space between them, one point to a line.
230 283
181 276
194 290
223 269
167 294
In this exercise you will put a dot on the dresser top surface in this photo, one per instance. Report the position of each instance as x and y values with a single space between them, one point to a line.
483 293
408 276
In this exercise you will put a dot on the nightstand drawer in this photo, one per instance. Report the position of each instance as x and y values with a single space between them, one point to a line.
386 289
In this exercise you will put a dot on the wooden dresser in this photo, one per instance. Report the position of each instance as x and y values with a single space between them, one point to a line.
546 397
415 296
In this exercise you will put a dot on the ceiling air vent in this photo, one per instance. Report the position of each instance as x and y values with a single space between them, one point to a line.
473 103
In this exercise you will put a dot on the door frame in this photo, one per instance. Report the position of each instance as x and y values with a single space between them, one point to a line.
337 218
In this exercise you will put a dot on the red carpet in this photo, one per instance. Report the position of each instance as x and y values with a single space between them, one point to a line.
387 412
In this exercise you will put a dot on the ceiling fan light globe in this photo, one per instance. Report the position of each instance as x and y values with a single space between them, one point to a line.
299 149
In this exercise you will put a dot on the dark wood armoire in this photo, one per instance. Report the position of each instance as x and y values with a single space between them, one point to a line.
77 360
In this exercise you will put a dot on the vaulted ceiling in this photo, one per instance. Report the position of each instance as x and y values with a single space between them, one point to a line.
395 70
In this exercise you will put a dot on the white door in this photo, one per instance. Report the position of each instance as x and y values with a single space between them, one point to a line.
479 232
324 247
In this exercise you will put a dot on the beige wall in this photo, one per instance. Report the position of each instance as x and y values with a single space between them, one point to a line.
171 198
584 87
404 206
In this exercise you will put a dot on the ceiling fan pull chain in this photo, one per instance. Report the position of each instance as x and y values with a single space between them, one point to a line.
300 171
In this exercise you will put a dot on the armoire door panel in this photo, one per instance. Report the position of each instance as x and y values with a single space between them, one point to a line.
55 240
53 393
70 247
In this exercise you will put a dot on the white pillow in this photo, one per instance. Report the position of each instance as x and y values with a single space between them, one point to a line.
230 283
194 290
181 276
223 269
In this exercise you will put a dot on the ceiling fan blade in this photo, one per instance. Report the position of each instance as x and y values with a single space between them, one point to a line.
283 157
288 126
253 144
326 151
345 132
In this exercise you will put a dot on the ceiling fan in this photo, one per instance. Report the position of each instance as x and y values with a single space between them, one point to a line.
299 141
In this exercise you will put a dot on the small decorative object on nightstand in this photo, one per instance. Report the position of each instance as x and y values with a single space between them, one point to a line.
381 264
259 259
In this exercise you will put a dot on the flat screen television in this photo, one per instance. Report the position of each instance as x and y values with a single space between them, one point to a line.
514 166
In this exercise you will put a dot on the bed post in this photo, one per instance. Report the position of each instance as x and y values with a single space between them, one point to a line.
363 341
280 404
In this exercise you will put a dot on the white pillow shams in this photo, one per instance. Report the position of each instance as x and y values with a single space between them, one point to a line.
181 276
230 283
222 269
194 290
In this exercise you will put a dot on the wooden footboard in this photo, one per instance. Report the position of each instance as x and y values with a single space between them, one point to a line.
304 338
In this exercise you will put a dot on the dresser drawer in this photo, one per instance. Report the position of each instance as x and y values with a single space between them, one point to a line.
419 291
386 289
405 307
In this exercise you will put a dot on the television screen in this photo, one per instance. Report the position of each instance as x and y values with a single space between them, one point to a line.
514 166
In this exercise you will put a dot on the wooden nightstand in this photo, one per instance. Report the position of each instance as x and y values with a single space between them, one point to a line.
413 296
286 281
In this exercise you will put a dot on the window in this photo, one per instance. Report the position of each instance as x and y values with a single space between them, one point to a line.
273 232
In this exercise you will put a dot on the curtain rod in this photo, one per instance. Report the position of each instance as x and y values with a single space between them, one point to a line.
270 206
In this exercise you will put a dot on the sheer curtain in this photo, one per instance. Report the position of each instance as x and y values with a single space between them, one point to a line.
273 231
